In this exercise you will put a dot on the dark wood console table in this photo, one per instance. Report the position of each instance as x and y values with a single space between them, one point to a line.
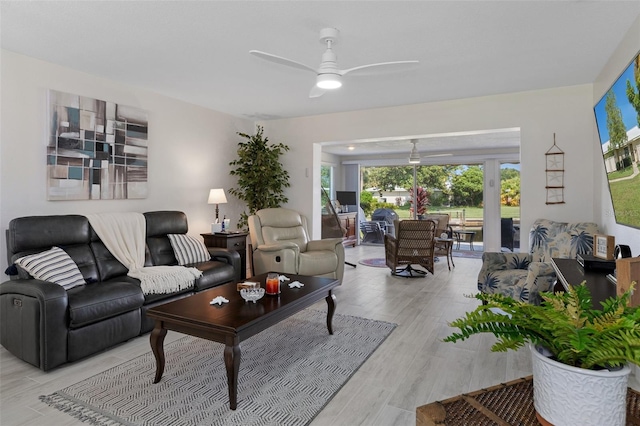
570 272
349 221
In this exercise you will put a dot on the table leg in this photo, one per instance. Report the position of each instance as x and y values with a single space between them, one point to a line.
471 236
157 346
232 355
331 308
451 254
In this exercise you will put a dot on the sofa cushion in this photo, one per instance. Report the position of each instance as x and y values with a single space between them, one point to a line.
95 302
188 250
549 239
53 265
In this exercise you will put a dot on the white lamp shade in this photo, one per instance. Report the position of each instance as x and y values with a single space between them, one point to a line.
329 81
216 196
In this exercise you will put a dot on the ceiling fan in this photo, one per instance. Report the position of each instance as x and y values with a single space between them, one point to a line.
415 157
329 76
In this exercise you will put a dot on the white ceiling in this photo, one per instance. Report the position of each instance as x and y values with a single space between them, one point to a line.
197 51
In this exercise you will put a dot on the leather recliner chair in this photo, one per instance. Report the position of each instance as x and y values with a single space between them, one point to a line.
281 243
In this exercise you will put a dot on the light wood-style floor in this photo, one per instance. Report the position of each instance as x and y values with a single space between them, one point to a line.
411 368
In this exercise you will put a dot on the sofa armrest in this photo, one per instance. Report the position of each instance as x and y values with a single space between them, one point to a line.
494 261
229 256
324 244
541 277
34 321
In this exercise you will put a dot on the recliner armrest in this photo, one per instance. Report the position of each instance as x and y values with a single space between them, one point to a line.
324 244
224 255
43 290
231 257
34 325
277 247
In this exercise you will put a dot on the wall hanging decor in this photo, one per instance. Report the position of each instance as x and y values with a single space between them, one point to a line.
555 174
96 150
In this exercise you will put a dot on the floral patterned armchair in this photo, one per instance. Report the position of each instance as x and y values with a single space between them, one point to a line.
522 276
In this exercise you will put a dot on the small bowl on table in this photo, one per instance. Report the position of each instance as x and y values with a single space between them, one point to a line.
252 294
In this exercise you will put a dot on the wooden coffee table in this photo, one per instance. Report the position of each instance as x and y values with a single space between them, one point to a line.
233 322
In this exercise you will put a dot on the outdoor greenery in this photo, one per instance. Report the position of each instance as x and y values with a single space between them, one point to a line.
627 171
615 125
625 192
565 323
404 212
467 187
633 94
448 188
261 177
388 178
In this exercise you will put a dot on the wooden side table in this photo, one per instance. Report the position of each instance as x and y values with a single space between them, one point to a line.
445 245
231 241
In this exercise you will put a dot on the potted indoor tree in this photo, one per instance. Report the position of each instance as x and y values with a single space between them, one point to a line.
580 354
261 177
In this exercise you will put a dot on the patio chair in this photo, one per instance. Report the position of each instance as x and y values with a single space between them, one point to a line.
413 245
507 233
372 232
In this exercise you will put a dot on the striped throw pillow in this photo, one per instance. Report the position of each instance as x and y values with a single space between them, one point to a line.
53 265
188 250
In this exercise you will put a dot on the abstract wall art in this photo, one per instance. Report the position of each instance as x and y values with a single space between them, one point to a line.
96 150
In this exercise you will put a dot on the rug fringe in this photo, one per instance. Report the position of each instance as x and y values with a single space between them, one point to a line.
78 411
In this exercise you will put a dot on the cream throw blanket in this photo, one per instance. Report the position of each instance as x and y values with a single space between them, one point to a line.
124 236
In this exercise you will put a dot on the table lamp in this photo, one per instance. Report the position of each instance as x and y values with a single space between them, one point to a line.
216 196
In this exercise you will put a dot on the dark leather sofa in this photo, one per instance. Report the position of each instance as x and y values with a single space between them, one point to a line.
47 326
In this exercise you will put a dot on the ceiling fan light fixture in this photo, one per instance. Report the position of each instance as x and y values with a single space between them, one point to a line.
329 81
414 157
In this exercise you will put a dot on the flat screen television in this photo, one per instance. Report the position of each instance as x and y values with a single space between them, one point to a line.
346 198
618 120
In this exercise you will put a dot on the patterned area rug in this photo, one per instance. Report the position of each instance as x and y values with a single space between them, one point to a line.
288 373
375 262
380 262
468 254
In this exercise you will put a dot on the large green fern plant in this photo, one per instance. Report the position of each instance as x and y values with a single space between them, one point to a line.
564 323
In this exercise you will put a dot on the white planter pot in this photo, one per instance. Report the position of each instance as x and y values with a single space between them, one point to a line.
569 396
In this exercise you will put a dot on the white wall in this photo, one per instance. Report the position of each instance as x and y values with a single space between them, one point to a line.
566 111
189 147
625 52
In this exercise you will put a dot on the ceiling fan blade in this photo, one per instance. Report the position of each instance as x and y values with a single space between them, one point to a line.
389 66
316 92
282 61
438 155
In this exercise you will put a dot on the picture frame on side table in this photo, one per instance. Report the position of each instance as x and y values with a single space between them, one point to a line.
603 246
